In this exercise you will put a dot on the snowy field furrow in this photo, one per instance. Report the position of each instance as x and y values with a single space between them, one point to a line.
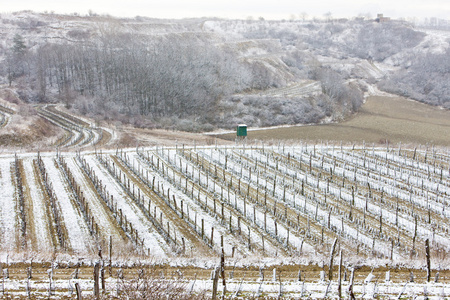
152 240
43 235
191 210
104 219
8 211
281 232
79 237
196 212
311 209
406 221
257 201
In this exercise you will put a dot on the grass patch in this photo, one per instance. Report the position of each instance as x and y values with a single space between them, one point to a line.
381 119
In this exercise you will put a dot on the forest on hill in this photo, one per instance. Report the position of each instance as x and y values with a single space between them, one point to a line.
199 74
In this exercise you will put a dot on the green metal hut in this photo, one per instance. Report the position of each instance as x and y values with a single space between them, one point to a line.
241 131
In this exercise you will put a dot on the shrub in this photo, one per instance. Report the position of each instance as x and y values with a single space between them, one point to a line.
150 287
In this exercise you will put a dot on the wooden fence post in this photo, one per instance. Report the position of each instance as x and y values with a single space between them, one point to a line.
350 286
330 271
102 276
96 278
339 276
203 228
427 250
50 281
222 271
110 256
215 283
78 289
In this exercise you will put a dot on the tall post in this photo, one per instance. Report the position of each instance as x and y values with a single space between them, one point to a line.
78 290
427 250
203 228
330 271
96 278
350 286
339 276
215 283
110 256
222 272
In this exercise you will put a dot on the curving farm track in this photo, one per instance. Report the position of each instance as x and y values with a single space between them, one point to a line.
79 134
5 115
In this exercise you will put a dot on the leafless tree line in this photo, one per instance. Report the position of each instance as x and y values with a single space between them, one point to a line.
425 80
163 77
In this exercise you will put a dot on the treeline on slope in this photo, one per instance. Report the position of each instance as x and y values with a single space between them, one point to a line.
426 80
356 38
124 77
422 76
177 81
336 101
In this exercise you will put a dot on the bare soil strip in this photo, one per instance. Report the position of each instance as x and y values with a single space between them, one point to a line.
107 223
38 222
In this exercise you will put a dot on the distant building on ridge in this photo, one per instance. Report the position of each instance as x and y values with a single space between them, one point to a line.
382 19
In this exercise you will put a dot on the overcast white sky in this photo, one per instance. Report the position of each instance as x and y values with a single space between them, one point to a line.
269 9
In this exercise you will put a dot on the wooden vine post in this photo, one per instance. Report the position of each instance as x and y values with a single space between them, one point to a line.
110 256
96 279
427 253
215 283
222 273
78 290
340 276
330 271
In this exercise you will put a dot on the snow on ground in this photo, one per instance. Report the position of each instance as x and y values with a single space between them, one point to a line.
78 232
193 211
381 171
245 288
8 212
107 225
237 202
43 235
152 240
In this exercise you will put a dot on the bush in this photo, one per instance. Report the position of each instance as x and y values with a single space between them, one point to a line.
426 80
151 287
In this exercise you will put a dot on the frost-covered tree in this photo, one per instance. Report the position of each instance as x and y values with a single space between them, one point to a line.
16 59
162 77
425 80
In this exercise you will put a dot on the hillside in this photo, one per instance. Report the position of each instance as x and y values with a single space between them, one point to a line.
200 75
381 120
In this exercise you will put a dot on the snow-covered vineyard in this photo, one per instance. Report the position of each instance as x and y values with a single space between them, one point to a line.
78 132
263 201
254 202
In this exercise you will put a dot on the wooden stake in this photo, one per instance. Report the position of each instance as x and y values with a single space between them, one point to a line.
78 289
215 283
96 278
330 271
222 271
427 253
110 256
339 276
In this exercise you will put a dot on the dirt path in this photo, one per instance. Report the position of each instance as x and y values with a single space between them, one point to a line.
7 206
